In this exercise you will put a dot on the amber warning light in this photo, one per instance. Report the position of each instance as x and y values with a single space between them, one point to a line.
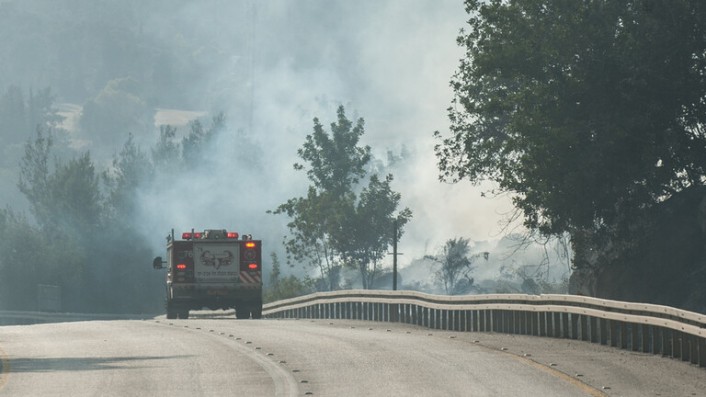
250 244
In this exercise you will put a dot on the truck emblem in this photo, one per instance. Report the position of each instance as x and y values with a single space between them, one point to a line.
224 259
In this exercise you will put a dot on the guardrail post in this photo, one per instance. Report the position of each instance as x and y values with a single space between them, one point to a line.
682 344
694 349
647 339
603 329
582 327
593 329
667 342
542 323
634 335
565 325
573 326
623 335
395 314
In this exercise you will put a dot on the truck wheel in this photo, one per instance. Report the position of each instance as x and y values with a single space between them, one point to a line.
184 314
171 313
241 312
256 312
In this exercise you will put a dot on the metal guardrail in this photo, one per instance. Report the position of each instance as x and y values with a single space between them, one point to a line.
632 326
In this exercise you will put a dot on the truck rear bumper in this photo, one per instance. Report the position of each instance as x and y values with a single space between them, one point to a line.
214 297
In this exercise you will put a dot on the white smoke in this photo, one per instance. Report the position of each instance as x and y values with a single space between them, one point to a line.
388 62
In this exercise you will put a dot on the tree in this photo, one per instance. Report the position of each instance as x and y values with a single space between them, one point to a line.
367 233
131 169
285 287
34 175
456 265
334 225
192 145
588 112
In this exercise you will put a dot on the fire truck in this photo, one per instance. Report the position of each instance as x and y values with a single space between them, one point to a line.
214 269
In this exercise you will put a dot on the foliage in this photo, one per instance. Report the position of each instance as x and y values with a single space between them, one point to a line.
456 266
588 111
285 287
131 169
193 144
334 225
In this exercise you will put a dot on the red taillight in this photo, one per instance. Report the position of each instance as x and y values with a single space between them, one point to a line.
186 236
181 266
253 266
198 235
232 235
250 244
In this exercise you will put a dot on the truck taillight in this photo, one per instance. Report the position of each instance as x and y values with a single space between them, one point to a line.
253 266
232 235
181 266
189 235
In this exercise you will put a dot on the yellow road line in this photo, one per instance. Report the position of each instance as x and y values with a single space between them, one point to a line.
586 388
590 390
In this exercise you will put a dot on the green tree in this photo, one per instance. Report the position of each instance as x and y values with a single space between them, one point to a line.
285 287
34 175
589 112
192 145
368 227
166 153
455 266
131 169
333 225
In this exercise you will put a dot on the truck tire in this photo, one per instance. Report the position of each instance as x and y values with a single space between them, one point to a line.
241 312
256 312
184 314
171 313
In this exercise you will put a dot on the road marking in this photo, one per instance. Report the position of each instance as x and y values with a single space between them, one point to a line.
586 388
4 368
590 390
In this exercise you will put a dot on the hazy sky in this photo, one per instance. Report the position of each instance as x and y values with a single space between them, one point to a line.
386 61
272 66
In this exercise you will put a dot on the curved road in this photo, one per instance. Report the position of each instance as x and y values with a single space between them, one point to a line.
220 357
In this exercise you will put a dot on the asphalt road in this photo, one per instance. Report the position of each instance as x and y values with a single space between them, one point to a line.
227 357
